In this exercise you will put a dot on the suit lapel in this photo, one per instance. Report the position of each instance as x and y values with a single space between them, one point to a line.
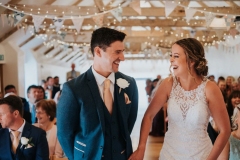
6 143
92 84
119 99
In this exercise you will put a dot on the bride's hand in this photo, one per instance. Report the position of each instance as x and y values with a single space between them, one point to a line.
137 155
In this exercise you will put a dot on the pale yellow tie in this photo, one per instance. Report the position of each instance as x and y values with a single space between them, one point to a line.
15 140
107 96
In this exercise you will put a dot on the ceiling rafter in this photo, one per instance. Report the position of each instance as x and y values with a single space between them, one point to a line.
127 11
27 41
232 4
76 3
48 50
100 5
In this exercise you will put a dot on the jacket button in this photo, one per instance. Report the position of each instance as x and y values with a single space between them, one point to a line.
101 147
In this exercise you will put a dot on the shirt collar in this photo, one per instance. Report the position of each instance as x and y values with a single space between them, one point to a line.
20 129
100 79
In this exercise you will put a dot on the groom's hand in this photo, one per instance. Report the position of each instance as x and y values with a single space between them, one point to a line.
137 155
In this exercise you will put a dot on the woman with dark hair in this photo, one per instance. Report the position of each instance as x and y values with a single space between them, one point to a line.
191 100
233 101
46 114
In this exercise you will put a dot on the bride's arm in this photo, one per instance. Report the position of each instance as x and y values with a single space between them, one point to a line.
220 116
156 104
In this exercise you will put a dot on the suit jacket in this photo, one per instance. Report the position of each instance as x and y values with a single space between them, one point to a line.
80 116
55 90
69 74
37 152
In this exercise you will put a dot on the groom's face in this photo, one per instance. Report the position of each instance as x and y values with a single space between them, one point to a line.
110 58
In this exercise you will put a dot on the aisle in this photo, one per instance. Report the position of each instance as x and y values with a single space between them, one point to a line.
154 144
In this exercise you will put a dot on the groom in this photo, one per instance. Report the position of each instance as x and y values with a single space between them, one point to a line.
19 140
97 110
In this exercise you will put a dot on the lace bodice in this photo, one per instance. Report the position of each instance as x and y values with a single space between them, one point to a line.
188 116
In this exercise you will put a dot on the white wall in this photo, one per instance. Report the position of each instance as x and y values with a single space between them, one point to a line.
10 68
223 63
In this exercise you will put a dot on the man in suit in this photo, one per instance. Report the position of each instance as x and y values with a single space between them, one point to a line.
73 73
97 110
19 140
56 86
32 94
12 89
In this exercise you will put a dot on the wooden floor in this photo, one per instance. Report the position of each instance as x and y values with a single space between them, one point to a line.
154 144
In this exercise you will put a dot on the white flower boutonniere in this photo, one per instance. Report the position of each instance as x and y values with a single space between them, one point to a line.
26 142
122 83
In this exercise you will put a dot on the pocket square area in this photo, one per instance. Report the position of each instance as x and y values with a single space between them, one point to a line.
28 146
127 100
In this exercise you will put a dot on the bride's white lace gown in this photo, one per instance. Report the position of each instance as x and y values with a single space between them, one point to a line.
188 116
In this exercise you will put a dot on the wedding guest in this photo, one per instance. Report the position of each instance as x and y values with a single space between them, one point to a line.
46 114
233 101
232 148
18 139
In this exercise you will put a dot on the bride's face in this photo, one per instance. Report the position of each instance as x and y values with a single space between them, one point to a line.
178 60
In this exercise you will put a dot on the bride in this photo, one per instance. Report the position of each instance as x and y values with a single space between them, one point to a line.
191 100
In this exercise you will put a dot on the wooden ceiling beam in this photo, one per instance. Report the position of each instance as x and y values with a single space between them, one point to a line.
76 3
48 50
232 4
127 11
6 35
58 52
99 4
37 47
26 41
50 2
143 23
14 1
202 4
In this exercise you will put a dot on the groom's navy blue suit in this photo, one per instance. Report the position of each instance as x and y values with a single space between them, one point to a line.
84 123
39 151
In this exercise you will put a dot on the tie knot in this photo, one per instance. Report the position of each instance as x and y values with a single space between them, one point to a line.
106 84
15 134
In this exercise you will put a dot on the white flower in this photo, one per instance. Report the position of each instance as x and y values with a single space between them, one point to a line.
24 140
122 83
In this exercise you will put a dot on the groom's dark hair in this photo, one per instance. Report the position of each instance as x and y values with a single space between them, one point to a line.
103 37
14 103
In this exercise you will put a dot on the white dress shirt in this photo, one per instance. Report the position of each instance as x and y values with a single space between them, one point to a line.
20 130
100 82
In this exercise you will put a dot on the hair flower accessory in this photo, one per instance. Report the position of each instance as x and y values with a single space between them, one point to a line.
122 83
26 142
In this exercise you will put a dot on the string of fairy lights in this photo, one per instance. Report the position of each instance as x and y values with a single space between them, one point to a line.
54 13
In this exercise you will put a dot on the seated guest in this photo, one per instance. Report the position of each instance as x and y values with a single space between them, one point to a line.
18 139
233 101
46 113
41 93
12 89
32 94
232 148
26 114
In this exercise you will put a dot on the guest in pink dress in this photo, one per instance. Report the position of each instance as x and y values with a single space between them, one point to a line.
46 113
